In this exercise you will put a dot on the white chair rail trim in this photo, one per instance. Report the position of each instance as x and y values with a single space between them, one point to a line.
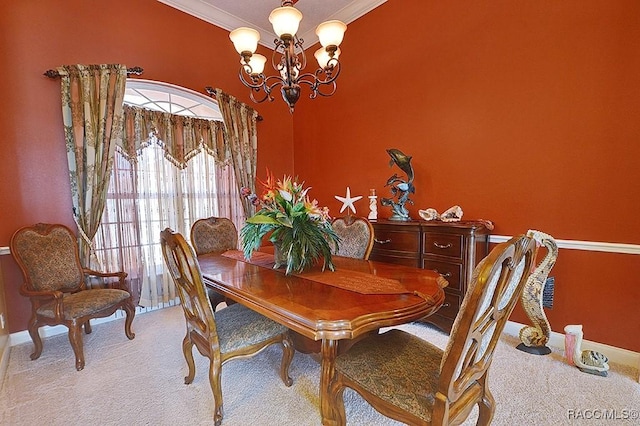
621 248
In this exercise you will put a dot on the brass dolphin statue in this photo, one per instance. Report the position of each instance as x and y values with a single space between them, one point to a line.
402 161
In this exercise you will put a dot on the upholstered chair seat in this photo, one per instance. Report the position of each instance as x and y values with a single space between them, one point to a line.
85 303
395 357
239 326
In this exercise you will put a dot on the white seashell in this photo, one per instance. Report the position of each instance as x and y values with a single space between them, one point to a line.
454 214
429 214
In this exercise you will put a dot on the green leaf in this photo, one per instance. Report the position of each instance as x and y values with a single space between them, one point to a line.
262 219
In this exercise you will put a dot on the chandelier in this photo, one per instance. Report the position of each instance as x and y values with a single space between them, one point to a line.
288 57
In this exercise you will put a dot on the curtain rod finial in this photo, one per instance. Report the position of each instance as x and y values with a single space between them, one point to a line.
52 73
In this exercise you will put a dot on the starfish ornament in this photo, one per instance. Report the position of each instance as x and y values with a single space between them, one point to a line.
348 201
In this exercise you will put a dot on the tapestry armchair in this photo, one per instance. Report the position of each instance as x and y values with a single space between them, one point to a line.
56 284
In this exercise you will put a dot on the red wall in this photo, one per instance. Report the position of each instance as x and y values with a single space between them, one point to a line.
523 113
39 35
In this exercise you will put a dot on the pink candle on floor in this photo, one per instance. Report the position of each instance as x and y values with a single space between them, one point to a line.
570 337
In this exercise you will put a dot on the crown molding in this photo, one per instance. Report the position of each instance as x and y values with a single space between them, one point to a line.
225 20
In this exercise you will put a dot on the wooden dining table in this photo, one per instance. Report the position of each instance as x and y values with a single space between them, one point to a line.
359 297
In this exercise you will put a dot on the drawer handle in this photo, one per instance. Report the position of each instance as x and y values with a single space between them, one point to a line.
445 275
445 305
387 241
443 246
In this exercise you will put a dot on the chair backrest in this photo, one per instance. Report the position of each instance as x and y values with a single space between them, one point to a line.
214 235
48 257
356 236
496 284
185 271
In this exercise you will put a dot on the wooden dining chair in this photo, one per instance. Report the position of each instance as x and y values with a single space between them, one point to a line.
413 381
356 237
230 333
55 283
214 235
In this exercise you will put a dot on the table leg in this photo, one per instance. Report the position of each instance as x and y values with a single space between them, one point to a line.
329 352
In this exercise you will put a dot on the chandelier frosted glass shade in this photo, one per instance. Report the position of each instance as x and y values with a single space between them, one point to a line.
288 58
323 57
245 39
331 33
256 62
285 20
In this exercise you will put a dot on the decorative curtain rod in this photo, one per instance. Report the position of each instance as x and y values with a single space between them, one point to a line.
212 93
56 74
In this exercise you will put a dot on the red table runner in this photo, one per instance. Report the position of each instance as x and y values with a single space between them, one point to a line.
359 282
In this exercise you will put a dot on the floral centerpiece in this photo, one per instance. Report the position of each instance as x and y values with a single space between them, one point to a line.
299 229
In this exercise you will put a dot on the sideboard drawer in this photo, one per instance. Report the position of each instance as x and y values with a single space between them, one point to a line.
450 271
450 306
396 241
449 245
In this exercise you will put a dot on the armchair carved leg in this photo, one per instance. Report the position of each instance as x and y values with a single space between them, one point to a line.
130 310
87 327
35 337
75 338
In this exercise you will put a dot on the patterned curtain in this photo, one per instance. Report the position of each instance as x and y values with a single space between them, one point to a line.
241 136
181 137
170 171
92 111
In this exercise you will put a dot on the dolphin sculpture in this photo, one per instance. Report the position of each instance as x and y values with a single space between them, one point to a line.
402 161
400 188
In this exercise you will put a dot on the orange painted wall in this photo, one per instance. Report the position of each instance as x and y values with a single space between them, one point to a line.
39 35
524 113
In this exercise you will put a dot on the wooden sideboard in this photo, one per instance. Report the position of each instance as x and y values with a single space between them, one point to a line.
452 249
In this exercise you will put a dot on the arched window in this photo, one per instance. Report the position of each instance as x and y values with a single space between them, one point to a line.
166 97
150 194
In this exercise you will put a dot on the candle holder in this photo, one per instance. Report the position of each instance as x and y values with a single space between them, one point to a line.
373 205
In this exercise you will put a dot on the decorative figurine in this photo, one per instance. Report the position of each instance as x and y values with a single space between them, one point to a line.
373 205
587 361
399 188
348 201
534 338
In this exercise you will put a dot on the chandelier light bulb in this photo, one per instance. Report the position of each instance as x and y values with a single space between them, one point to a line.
331 33
285 20
245 39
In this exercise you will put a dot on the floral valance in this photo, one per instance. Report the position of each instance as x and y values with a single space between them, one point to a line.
181 137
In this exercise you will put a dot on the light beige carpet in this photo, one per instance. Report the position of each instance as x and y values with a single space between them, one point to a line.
140 382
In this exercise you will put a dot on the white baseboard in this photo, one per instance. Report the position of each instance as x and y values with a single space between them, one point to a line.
5 349
556 340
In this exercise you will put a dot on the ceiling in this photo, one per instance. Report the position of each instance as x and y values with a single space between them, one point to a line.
231 14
